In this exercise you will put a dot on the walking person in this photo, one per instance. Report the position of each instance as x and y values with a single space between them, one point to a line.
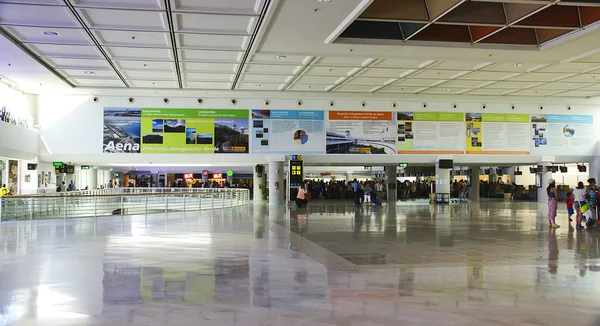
355 189
570 201
367 194
579 203
301 200
552 203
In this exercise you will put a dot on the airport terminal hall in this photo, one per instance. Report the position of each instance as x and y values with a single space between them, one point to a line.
299 162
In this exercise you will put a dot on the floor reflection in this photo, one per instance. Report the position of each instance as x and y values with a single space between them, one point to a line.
407 264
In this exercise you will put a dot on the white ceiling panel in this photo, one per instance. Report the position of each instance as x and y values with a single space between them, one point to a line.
585 78
70 51
368 81
487 91
145 65
460 83
214 24
579 93
537 77
133 38
379 72
459 65
267 79
512 67
316 80
354 88
487 75
445 90
78 73
415 82
258 86
560 86
201 76
37 2
128 4
570 67
221 6
98 82
153 84
401 63
531 92
436 74
124 19
26 15
328 71
307 88
210 56
513 84
83 64
270 69
212 42
341 61
209 67
30 34
279 59
207 85
403 89
149 74
140 54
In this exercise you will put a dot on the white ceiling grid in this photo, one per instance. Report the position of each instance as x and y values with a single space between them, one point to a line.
207 45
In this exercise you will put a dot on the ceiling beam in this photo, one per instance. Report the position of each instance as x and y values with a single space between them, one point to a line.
173 38
252 43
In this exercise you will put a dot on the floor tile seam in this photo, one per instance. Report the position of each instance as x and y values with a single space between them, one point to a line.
318 253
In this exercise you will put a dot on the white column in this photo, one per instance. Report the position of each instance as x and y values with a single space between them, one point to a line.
542 195
92 178
391 177
511 172
594 168
258 185
276 194
348 177
443 182
474 189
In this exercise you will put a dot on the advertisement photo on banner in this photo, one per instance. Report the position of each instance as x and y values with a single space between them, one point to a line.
288 131
358 132
121 130
170 131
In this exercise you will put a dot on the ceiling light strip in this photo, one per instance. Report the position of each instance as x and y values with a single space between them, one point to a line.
298 72
352 73
95 41
173 38
251 43
34 56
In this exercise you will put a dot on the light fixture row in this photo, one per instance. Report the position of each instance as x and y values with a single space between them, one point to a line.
330 103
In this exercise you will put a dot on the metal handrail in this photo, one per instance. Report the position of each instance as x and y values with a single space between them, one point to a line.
116 191
69 205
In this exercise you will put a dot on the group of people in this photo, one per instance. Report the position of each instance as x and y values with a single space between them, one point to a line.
581 202
414 189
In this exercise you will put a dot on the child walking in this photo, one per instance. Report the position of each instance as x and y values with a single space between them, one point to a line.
570 201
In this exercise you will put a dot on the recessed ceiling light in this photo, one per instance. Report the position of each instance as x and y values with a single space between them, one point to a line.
518 65
50 33
88 72
447 89
260 85
323 0
280 57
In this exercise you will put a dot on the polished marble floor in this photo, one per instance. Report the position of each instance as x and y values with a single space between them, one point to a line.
488 263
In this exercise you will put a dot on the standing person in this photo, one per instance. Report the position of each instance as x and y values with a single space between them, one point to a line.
513 188
591 199
367 194
71 186
355 189
4 191
379 190
552 203
301 200
63 187
579 202
570 201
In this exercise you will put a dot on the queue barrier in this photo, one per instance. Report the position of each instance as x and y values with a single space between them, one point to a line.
120 201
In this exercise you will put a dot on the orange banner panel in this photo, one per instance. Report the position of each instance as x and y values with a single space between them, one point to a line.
359 115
